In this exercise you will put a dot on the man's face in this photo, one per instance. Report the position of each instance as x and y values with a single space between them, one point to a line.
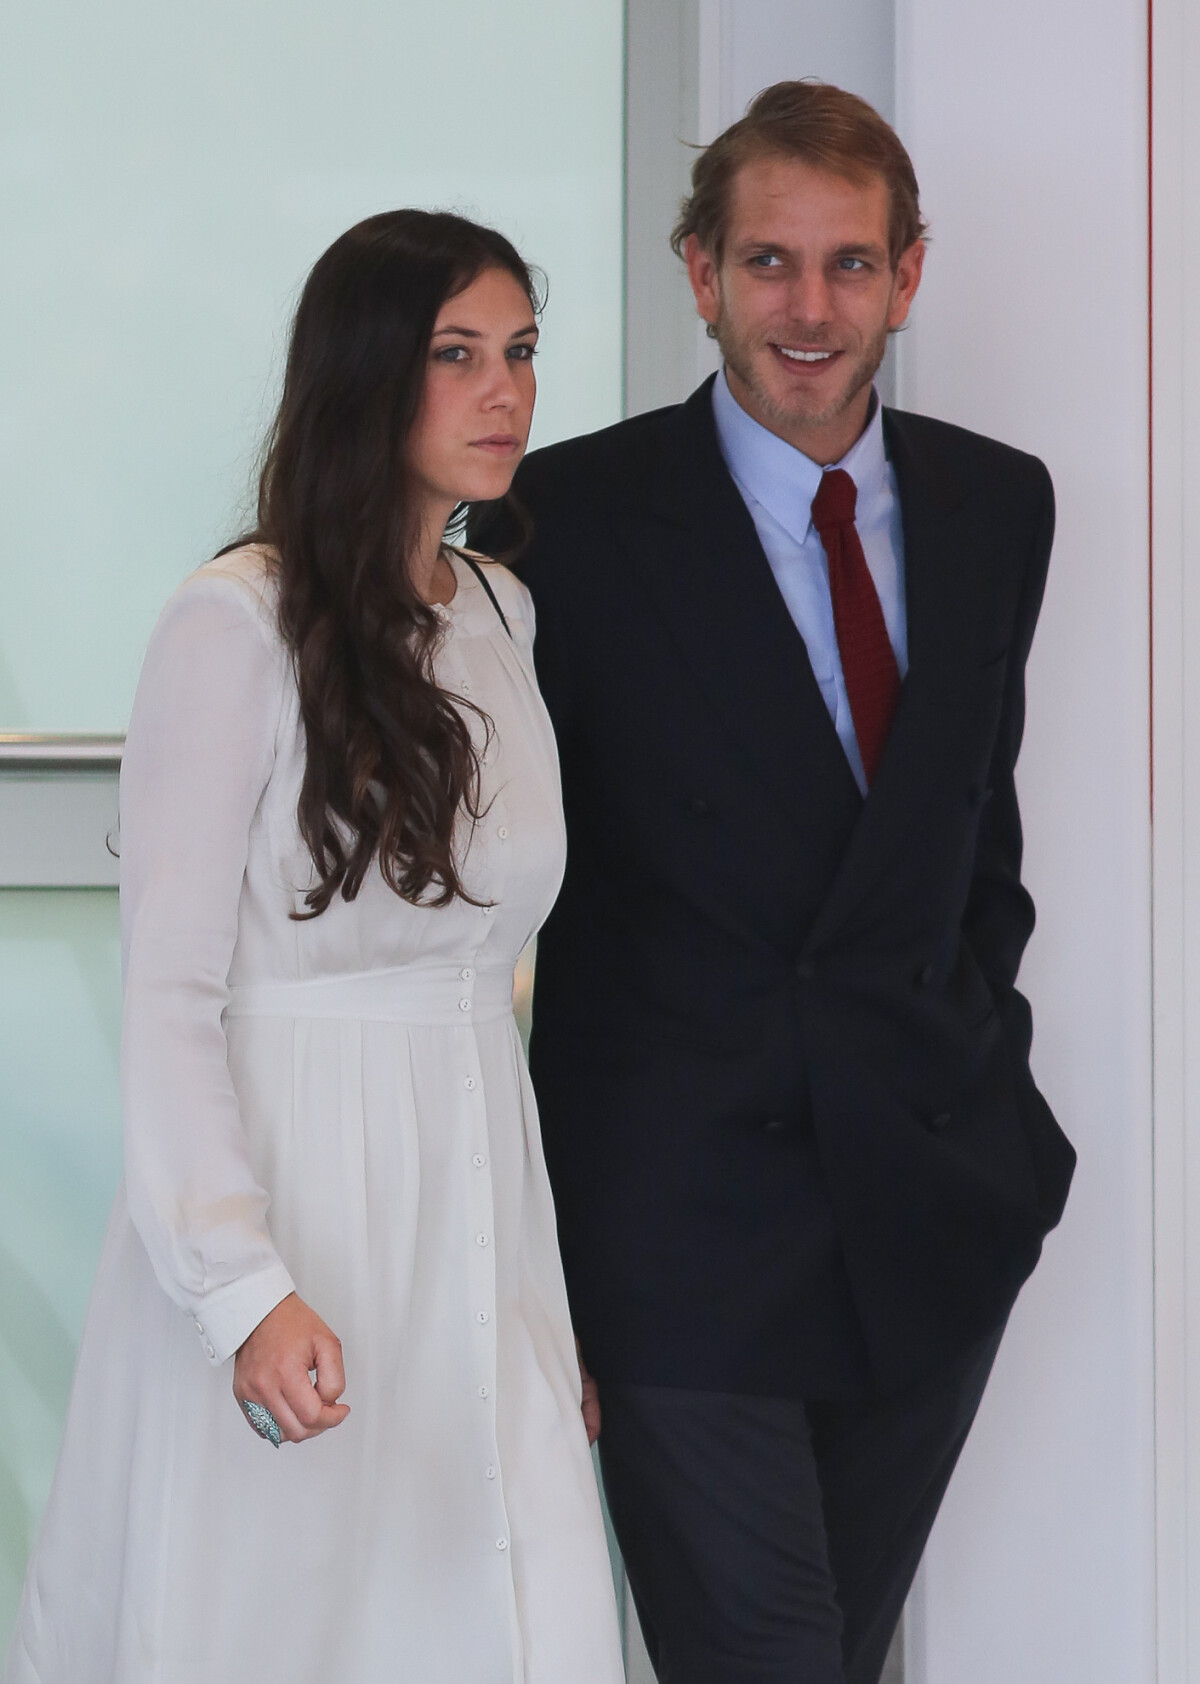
804 298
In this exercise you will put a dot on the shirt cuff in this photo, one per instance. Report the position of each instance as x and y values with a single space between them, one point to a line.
226 1320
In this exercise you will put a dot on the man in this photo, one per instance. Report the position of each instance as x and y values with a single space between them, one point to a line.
800 1163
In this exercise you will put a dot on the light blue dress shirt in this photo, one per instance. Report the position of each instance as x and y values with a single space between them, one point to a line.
778 484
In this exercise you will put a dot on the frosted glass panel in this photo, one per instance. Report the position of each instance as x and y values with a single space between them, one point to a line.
59 1162
168 175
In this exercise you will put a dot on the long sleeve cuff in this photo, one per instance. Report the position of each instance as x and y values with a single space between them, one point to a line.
226 1320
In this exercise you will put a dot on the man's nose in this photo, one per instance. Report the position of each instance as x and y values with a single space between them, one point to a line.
809 297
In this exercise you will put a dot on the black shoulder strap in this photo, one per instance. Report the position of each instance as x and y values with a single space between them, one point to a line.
482 577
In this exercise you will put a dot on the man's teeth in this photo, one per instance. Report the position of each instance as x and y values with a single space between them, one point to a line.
805 356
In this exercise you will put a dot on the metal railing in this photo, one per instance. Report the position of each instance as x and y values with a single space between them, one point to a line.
40 751
59 822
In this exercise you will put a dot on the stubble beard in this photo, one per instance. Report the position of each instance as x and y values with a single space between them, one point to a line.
783 419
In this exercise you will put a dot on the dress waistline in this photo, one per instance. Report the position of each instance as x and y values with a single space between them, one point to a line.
424 995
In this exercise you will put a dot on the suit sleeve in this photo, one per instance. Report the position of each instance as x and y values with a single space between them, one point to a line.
999 915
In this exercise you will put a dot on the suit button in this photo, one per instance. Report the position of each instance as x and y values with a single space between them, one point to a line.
700 806
775 1125
940 1122
978 795
924 976
806 969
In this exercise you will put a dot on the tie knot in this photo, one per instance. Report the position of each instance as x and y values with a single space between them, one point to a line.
835 501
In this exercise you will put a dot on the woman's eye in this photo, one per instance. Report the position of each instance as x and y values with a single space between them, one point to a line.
450 353
522 353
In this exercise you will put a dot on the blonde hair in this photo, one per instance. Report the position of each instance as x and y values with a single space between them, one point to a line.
819 124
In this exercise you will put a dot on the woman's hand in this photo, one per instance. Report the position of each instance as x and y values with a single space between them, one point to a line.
272 1368
590 1404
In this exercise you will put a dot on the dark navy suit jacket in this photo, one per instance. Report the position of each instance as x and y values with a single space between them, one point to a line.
780 1056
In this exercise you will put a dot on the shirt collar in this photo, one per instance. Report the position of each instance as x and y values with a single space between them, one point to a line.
780 477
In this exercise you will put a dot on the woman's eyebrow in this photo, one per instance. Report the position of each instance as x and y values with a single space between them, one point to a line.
474 333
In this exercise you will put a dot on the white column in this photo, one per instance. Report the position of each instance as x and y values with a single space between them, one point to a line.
1176 713
1027 124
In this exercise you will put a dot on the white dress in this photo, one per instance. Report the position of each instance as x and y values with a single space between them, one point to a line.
340 1106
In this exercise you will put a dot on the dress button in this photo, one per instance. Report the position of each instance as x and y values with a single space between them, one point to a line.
485 1391
466 689
502 833
210 1350
479 1160
469 1084
464 1005
481 1239
488 910
501 1543
482 1317
491 1473
466 973
198 1324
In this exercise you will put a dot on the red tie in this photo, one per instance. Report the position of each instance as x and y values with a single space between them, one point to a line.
868 662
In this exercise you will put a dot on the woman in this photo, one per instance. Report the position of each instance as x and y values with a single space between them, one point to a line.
341 823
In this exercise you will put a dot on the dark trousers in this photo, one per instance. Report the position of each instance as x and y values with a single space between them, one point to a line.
773 1540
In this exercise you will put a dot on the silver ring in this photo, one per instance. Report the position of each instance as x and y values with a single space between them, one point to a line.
263 1422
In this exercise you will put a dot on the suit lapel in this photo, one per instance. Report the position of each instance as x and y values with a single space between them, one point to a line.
714 586
715 590
936 521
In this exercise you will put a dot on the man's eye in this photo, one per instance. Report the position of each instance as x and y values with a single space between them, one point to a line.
851 263
765 260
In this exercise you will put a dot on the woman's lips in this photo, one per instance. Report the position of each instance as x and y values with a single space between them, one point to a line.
498 444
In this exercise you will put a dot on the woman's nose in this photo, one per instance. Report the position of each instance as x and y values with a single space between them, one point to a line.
503 391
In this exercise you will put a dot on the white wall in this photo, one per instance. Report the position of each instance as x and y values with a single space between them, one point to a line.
763 41
1027 124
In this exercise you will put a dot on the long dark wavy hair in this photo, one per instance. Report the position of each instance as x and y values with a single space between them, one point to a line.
390 763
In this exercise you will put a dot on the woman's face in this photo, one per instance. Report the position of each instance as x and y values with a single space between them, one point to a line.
477 404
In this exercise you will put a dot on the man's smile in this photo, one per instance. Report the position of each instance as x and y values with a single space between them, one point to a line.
804 356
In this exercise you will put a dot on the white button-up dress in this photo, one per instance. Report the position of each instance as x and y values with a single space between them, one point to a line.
338 1106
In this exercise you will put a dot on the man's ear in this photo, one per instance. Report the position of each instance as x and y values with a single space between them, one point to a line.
905 282
705 277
